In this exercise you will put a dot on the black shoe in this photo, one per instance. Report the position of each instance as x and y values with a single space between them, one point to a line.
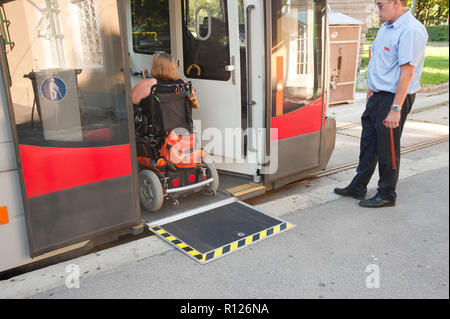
348 193
376 202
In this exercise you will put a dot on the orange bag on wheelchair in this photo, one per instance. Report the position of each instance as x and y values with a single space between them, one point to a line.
182 150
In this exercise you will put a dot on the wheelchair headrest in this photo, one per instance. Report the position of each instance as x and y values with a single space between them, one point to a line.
176 88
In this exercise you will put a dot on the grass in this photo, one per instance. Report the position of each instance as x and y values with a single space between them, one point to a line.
365 55
435 69
436 65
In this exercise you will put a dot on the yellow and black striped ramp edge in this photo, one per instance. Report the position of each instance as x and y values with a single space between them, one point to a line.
220 231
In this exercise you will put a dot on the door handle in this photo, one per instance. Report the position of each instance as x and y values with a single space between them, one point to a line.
232 68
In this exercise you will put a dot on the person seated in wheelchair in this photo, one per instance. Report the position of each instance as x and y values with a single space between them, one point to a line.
164 71
170 158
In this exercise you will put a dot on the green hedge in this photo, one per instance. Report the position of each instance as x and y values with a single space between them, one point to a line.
437 33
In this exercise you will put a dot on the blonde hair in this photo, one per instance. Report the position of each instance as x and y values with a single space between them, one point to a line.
164 67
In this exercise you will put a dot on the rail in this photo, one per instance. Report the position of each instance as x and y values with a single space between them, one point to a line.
404 150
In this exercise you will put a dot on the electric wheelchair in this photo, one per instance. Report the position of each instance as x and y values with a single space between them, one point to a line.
171 160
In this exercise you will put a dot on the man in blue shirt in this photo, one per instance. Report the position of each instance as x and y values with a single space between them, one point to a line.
398 54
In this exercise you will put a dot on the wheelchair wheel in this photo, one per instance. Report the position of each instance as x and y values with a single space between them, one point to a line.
150 191
214 186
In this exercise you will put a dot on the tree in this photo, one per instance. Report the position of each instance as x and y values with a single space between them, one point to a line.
431 12
413 6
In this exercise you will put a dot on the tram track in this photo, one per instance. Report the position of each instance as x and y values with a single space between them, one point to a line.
404 150
347 127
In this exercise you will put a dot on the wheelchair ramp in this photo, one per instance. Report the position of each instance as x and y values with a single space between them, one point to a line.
218 230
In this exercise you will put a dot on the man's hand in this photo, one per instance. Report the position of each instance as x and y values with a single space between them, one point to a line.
406 74
393 119
369 94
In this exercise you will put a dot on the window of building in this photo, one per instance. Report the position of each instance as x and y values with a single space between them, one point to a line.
92 52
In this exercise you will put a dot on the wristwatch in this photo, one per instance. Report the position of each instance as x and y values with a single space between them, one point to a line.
396 107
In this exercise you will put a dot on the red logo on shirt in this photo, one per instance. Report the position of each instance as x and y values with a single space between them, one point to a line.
387 49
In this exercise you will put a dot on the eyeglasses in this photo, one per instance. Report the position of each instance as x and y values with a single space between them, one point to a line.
381 5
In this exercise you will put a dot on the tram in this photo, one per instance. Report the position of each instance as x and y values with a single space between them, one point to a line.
68 168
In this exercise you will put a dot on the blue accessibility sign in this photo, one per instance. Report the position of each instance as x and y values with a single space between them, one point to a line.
54 89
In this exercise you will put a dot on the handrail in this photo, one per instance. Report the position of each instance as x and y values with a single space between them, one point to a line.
5 31
197 23
250 102
4 60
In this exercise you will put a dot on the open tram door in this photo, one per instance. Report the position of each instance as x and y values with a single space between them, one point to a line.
207 38
259 69
297 89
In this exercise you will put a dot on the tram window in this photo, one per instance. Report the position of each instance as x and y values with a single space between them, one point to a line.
65 93
150 26
241 22
206 49
297 54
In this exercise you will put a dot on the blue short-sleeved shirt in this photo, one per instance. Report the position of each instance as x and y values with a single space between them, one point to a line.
401 42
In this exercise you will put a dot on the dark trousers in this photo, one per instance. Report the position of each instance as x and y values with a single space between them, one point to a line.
376 145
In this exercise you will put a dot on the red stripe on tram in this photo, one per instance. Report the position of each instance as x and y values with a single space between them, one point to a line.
48 170
305 120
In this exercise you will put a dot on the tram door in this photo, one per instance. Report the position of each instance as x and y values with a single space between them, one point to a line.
68 99
206 38
211 60
297 88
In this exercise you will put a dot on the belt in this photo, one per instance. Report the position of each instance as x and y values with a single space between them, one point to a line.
383 93
390 93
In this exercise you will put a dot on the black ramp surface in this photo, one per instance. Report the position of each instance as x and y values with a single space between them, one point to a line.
220 226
